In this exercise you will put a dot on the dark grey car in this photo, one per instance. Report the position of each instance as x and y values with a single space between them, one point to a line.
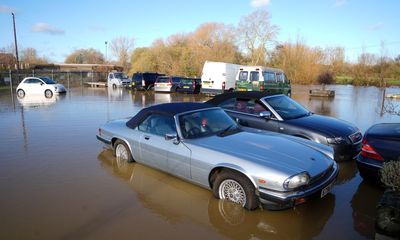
279 113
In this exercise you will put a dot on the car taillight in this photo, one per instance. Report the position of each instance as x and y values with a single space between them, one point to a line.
143 83
223 85
169 83
261 87
369 152
194 84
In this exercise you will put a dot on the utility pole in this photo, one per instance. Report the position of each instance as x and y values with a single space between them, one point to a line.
106 50
15 41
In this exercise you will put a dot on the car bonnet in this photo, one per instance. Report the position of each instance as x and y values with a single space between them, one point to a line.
272 151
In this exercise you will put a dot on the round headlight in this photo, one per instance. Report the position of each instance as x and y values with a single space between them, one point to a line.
296 181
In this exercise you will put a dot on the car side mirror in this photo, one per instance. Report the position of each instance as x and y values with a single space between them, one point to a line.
265 114
41 84
172 136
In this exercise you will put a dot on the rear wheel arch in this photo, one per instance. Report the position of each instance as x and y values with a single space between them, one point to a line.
114 139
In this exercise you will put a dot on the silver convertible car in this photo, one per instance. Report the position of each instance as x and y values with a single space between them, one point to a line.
200 143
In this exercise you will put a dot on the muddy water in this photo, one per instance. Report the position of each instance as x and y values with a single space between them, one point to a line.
58 182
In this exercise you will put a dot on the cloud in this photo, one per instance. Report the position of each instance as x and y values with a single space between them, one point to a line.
339 3
6 9
46 28
376 26
259 3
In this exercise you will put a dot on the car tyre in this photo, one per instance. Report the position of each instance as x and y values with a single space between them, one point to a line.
48 93
235 187
114 86
21 93
122 152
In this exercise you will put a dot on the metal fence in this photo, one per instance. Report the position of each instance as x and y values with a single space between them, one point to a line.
68 78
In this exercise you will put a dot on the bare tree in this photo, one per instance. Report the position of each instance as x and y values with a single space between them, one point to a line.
121 48
30 56
255 33
89 55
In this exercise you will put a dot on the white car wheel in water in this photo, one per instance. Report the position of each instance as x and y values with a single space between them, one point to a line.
48 93
235 187
231 190
21 93
122 152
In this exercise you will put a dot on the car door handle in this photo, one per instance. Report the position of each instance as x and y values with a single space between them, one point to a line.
146 137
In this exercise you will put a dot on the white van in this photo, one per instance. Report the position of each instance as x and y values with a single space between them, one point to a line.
118 79
218 77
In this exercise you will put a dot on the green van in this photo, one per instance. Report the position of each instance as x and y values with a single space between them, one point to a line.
258 78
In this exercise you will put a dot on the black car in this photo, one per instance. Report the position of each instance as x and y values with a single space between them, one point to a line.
189 85
144 80
280 113
381 143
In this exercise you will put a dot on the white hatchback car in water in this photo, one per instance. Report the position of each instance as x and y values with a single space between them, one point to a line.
39 85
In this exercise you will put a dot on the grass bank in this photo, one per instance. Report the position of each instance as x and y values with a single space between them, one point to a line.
370 81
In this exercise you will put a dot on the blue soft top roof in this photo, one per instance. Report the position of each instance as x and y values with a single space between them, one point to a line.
168 109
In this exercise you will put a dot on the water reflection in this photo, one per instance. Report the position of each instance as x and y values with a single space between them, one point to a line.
34 101
347 171
364 203
175 200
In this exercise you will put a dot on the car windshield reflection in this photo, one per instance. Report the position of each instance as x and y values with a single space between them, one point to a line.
287 108
48 80
206 123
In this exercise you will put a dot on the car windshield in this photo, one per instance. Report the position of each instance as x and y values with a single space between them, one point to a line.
48 80
187 81
120 75
163 79
206 123
286 107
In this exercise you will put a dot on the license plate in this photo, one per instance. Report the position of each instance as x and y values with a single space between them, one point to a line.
327 189
242 89
185 86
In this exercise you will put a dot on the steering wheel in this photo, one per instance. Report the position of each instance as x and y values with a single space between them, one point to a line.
194 131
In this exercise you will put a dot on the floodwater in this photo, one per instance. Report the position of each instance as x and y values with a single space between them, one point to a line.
58 182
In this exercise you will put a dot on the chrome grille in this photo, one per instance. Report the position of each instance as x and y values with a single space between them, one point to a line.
355 137
322 176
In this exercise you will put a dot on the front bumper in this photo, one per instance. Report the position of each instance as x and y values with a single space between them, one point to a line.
275 200
346 152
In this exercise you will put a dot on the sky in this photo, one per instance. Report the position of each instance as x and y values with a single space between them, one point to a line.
56 28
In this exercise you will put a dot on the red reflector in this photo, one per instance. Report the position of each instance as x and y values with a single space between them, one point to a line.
223 85
369 152
299 201
261 87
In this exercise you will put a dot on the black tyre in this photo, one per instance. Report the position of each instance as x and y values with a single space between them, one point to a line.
21 93
48 93
235 187
114 86
122 152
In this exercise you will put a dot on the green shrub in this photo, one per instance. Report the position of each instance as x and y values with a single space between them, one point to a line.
390 175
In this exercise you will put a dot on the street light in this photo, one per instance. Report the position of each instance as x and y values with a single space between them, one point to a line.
15 41
106 50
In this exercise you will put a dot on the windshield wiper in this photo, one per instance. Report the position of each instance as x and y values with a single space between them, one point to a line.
230 129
